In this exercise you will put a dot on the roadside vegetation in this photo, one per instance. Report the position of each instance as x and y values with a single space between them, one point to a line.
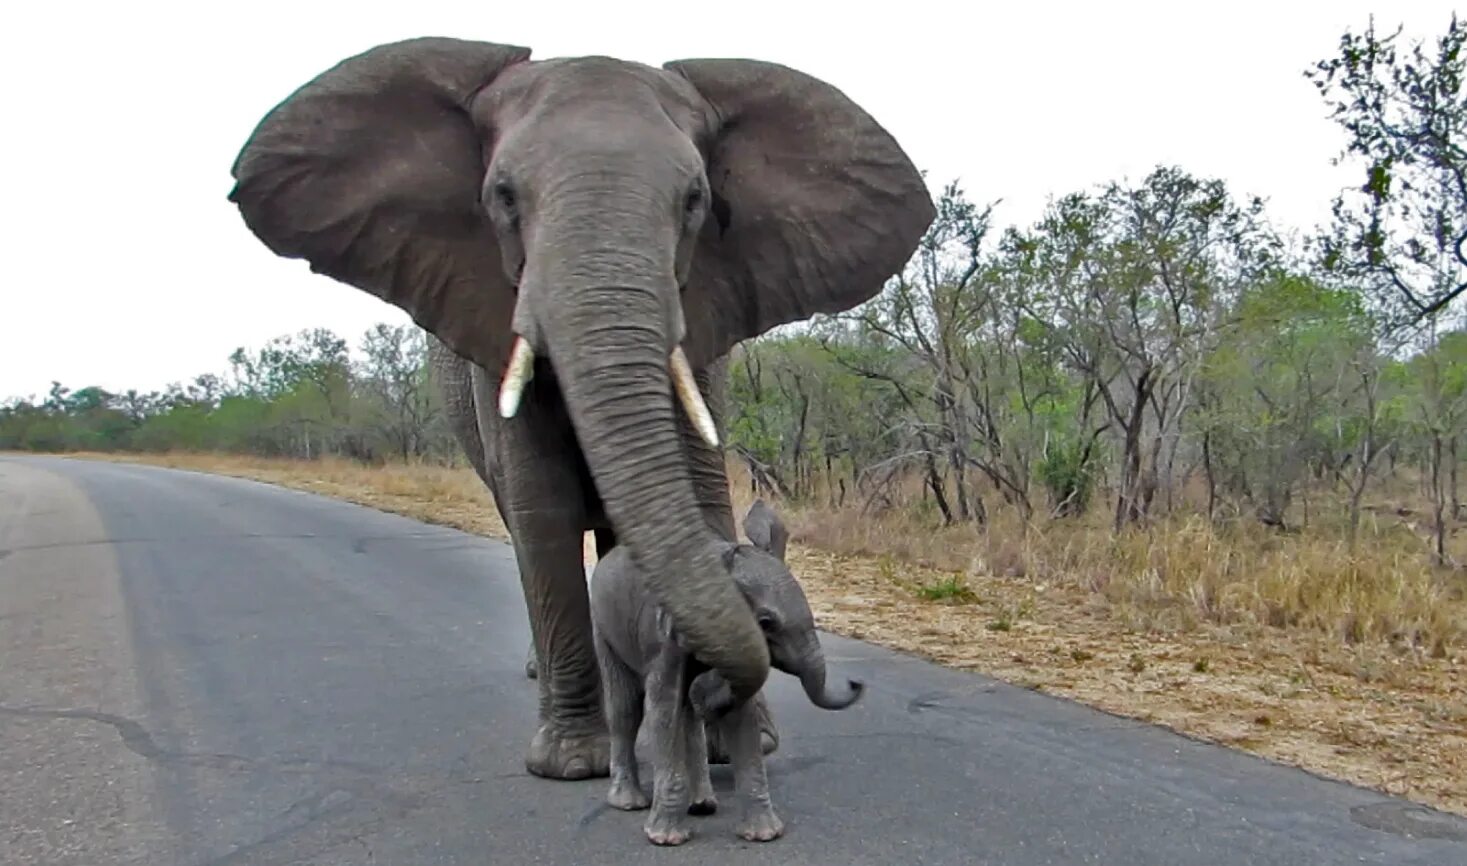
1150 452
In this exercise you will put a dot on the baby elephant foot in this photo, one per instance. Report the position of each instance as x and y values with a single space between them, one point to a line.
557 755
627 795
762 826
703 805
666 830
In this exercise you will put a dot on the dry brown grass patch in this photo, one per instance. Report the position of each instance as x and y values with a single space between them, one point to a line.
1179 574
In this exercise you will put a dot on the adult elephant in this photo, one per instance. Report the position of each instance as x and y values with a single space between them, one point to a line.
590 236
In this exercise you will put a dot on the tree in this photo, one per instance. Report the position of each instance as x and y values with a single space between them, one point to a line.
303 381
1438 378
395 373
1403 232
932 313
1135 283
1271 387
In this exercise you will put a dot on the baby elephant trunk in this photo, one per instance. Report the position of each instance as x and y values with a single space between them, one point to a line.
812 677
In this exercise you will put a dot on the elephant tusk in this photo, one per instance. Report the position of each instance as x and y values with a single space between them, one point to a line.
687 392
516 375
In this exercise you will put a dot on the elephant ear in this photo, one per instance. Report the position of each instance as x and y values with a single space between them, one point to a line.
765 530
815 205
371 172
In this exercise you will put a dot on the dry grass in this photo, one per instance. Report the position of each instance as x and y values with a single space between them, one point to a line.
1180 574
1349 663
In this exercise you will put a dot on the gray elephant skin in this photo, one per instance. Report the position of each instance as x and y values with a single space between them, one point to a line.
586 239
646 674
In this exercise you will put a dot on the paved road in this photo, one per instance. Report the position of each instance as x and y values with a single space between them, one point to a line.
200 670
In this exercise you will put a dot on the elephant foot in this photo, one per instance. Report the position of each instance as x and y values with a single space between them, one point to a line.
627 796
665 830
762 826
558 755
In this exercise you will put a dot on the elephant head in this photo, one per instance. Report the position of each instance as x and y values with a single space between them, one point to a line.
601 225
783 615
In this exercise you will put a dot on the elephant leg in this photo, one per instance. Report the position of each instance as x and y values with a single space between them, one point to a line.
456 387
624 697
572 742
718 747
605 540
667 822
543 505
760 823
704 801
455 380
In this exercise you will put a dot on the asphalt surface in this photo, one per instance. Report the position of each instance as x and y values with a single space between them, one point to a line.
203 670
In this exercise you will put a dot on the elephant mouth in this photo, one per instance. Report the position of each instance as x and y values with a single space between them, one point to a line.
521 367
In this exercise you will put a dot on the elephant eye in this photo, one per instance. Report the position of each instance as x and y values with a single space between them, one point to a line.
504 193
694 199
767 622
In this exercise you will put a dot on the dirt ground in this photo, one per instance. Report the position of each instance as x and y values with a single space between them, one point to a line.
1381 717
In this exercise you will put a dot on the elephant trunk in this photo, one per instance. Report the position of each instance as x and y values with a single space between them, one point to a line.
810 668
605 323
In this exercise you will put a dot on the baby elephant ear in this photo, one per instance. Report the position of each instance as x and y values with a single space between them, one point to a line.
814 206
765 530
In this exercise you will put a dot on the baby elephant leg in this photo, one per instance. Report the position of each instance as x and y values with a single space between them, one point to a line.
704 802
741 727
667 822
768 733
623 691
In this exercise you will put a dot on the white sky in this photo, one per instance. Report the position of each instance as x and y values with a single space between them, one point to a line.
127 267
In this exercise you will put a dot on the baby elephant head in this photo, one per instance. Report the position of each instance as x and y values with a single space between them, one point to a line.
783 614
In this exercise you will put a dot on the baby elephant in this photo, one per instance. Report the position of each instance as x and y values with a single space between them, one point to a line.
642 659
